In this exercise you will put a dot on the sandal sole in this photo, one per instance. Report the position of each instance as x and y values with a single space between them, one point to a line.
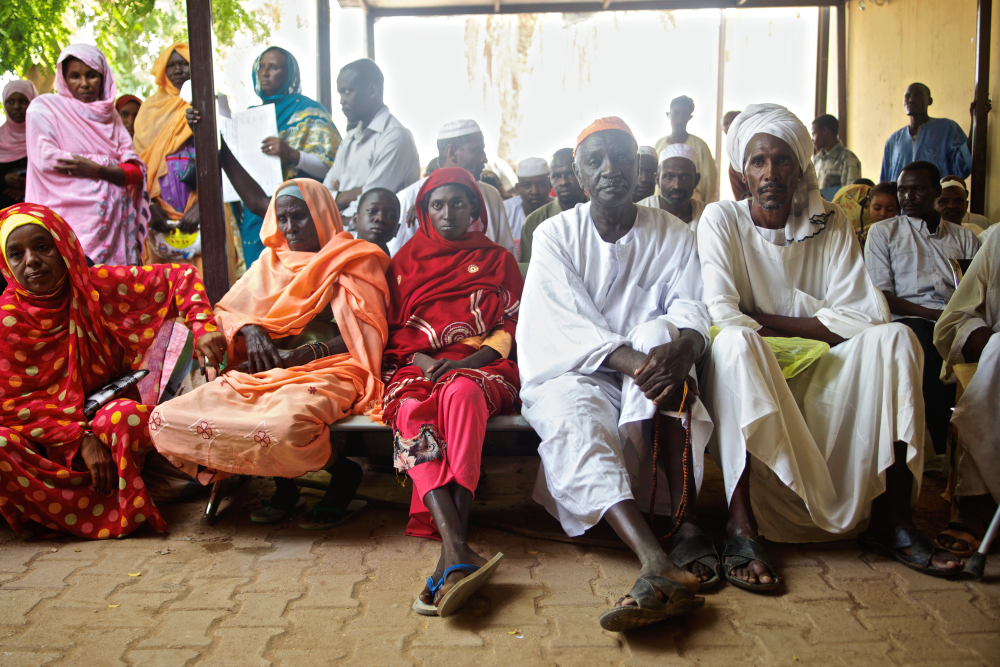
739 583
623 619
459 594
424 609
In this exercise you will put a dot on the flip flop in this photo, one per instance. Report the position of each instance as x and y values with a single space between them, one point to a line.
698 548
740 551
889 541
268 513
324 518
959 532
458 594
423 608
647 609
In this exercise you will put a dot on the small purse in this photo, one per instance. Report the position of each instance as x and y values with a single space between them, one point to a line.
189 176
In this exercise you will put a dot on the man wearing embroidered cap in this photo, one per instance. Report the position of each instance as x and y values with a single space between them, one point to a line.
831 443
460 144
568 194
646 185
612 325
953 205
533 187
681 111
678 177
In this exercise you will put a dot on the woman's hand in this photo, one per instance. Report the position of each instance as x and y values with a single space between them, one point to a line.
424 363
15 181
442 367
103 472
209 352
262 355
193 118
276 146
79 167
158 221
191 220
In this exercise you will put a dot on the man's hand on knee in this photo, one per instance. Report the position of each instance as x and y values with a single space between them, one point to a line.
665 369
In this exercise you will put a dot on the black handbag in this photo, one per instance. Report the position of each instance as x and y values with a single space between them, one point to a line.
189 176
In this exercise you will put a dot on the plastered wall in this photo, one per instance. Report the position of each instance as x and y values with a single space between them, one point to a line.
930 41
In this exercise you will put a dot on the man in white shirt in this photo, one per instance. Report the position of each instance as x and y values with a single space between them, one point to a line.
681 111
678 177
377 151
533 187
611 326
460 144
909 258
832 444
968 332
953 205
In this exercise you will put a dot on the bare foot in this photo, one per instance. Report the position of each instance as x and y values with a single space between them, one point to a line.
467 556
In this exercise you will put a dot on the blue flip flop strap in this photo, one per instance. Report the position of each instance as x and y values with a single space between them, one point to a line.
433 588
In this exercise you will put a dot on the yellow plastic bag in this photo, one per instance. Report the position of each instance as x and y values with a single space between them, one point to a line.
794 355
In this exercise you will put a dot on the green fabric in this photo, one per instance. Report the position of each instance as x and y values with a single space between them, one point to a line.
794 355
537 217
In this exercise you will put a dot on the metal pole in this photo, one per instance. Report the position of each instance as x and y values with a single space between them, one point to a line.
213 221
720 92
977 202
822 60
324 87
842 70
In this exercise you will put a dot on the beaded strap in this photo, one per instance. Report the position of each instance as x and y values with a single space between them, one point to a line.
682 507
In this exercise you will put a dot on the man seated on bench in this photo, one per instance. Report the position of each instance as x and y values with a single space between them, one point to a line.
612 324
305 328
967 333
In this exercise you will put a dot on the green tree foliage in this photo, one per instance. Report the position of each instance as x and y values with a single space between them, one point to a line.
131 33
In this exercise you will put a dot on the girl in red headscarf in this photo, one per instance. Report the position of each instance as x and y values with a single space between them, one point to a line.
454 297
66 330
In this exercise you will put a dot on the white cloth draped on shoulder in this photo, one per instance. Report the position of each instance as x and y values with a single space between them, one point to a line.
583 299
975 305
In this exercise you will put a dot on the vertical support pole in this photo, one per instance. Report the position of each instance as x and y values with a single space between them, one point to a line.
213 222
842 70
977 202
720 93
324 87
822 60
369 31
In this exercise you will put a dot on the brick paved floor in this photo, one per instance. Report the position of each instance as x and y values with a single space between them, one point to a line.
243 594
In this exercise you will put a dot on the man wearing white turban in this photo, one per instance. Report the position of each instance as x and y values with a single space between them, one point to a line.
533 187
830 444
677 176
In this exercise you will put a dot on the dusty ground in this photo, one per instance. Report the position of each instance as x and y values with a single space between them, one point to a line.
243 594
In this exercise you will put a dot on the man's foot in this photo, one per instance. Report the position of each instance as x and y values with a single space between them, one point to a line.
652 599
971 515
753 572
697 567
907 545
668 570
467 556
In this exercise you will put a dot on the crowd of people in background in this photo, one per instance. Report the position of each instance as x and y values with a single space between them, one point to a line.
806 333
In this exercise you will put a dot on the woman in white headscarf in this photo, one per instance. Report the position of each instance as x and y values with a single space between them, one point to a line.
17 95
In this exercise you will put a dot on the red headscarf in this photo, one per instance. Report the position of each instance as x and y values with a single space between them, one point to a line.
442 292
55 348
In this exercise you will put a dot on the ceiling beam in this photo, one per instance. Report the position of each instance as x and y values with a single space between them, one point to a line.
584 7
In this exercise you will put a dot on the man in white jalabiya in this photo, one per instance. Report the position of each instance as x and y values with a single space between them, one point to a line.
533 187
841 441
968 332
611 326
460 144
677 176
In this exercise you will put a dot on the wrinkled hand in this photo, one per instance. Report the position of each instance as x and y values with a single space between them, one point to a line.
262 355
190 222
15 181
664 371
193 118
277 146
300 356
411 216
78 166
209 351
103 471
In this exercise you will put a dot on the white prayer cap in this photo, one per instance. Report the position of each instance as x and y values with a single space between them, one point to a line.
679 150
647 150
953 183
532 166
772 119
458 128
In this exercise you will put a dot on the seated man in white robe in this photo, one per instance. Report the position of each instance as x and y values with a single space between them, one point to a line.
460 144
533 187
909 258
678 176
841 442
611 326
968 332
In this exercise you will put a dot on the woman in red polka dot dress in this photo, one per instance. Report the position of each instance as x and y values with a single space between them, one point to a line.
66 330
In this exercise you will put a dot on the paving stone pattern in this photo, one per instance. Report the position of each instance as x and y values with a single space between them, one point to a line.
244 594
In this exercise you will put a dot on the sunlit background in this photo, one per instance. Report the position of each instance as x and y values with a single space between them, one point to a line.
533 81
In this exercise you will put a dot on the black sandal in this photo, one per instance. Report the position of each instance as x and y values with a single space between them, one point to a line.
647 609
741 551
325 518
889 541
687 549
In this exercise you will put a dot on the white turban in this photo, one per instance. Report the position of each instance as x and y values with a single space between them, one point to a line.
679 150
779 122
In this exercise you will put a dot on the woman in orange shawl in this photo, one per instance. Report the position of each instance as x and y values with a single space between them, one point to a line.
68 330
305 328
162 139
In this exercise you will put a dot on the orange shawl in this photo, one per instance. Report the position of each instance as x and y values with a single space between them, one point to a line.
284 290
161 128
